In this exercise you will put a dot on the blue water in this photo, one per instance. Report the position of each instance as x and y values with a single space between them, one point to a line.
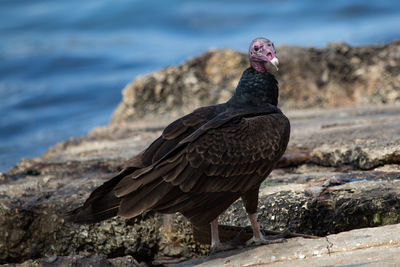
63 63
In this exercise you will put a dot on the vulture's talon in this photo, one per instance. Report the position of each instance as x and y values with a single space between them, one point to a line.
283 234
257 241
236 239
233 244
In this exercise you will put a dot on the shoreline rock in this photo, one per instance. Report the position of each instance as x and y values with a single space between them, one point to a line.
307 196
366 247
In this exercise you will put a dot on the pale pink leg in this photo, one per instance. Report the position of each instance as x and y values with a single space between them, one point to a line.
258 238
256 227
214 233
216 244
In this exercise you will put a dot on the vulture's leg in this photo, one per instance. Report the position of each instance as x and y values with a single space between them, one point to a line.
258 238
257 235
216 244
250 199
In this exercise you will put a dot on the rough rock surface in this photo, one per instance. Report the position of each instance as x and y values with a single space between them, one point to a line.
78 260
316 195
341 170
363 137
367 247
338 75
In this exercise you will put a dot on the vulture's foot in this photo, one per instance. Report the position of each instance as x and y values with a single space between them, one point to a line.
233 244
256 241
270 239
225 246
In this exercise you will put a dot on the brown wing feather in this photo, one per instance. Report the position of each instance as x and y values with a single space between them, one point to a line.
133 182
136 203
235 157
249 149
232 145
207 152
103 202
178 130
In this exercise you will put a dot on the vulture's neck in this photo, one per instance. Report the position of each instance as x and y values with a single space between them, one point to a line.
255 89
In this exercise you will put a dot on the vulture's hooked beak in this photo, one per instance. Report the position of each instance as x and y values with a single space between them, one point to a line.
275 62
271 58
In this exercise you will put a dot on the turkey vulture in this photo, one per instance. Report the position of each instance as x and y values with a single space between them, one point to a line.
206 160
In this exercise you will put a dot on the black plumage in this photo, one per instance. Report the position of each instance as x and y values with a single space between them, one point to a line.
203 161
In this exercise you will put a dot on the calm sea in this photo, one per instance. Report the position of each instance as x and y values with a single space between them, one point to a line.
63 63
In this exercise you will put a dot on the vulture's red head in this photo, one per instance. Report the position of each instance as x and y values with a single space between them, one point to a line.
261 52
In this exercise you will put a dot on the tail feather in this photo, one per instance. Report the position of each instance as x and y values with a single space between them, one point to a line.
101 204
149 196
91 214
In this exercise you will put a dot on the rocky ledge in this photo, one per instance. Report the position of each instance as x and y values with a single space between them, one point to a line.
341 170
